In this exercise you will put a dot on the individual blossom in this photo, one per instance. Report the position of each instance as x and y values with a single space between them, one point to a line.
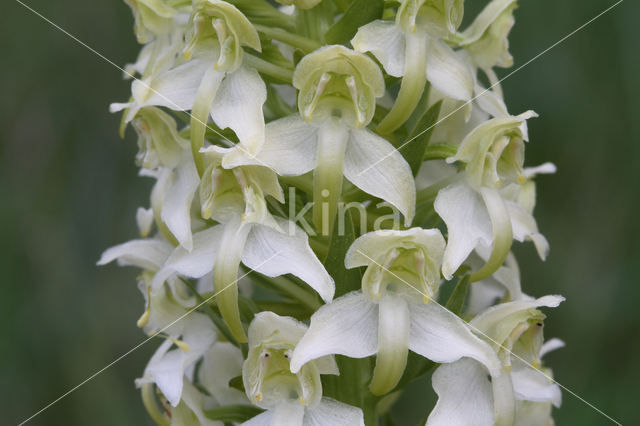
337 91
523 393
289 398
395 312
479 209
414 48
165 306
246 233
176 358
211 78
166 156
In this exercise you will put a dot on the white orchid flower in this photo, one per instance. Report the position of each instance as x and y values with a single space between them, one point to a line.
466 396
164 306
479 210
412 48
395 312
166 156
167 367
247 233
213 80
338 88
289 398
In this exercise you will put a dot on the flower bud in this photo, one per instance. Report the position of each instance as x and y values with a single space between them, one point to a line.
338 82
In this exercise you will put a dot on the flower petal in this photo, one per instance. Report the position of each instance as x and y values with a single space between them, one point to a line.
275 253
333 413
441 336
468 224
386 42
373 245
221 363
176 205
525 228
347 326
199 261
533 385
175 89
464 395
448 72
288 413
238 105
495 317
290 146
372 164
148 254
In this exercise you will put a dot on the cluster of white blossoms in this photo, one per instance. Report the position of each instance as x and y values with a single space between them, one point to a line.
338 184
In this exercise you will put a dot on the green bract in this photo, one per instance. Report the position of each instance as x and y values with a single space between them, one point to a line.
438 18
338 82
219 21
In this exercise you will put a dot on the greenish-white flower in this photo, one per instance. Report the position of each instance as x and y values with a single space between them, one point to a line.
468 397
480 210
413 48
289 398
395 312
247 233
338 88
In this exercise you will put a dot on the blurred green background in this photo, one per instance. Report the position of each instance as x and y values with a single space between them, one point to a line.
69 189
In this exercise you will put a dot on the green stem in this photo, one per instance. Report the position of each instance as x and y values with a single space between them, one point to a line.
305 44
277 72
412 85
